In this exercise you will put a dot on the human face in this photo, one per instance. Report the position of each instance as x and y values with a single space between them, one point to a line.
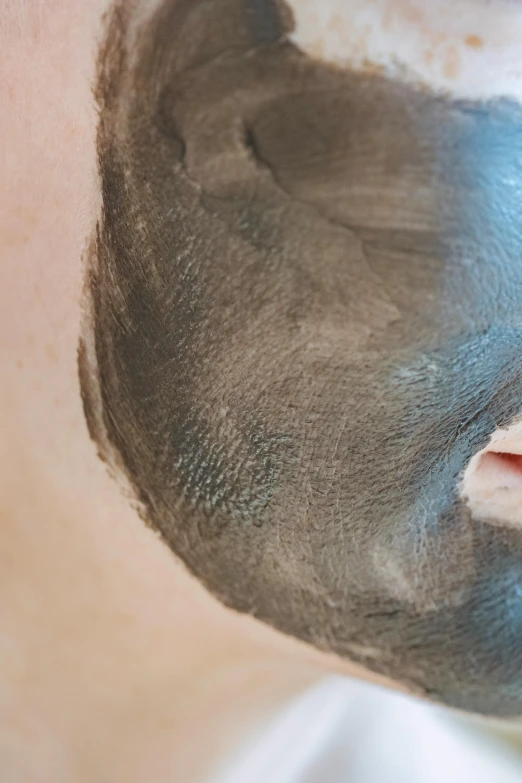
304 321
86 583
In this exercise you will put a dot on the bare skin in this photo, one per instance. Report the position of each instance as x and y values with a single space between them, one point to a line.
102 676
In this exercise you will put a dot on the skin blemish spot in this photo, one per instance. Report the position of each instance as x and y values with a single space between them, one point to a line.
452 63
429 56
474 42
51 354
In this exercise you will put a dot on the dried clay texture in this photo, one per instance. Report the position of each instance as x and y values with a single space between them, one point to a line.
305 300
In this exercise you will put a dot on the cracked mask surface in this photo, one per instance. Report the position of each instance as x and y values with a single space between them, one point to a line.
305 318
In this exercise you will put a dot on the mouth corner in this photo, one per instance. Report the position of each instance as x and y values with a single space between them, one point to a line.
492 482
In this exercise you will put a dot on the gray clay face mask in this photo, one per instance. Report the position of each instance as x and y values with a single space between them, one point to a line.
305 317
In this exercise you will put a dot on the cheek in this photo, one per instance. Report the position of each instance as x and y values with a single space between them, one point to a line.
466 48
306 320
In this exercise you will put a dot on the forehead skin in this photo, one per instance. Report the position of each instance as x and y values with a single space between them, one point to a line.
304 319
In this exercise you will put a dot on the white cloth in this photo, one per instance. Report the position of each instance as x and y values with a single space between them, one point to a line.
342 731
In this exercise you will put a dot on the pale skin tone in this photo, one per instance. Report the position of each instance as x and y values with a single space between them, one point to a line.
115 664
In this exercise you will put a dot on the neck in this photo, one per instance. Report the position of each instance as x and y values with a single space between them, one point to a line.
118 681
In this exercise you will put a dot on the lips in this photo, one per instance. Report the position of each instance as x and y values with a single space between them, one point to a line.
492 484
512 462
